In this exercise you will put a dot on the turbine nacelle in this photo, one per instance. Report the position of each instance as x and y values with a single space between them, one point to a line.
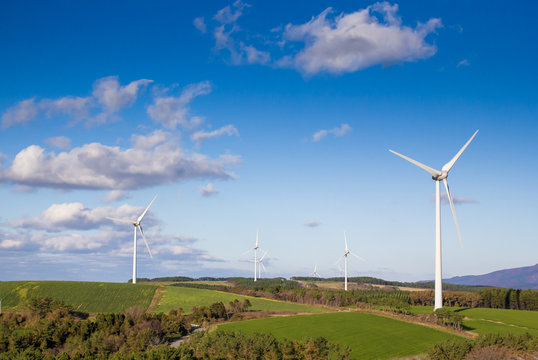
443 175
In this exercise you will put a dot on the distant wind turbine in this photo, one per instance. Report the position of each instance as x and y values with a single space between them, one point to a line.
138 226
438 176
315 272
345 261
260 266
255 250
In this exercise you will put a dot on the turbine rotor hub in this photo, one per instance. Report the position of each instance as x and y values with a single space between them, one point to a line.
443 175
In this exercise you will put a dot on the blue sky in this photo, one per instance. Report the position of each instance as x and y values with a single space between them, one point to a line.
272 116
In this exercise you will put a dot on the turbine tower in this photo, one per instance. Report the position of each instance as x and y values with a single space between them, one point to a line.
346 253
255 250
260 266
437 176
137 226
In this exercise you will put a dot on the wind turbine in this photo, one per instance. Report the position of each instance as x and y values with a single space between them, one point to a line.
345 261
315 272
138 226
438 176
255 249
260 265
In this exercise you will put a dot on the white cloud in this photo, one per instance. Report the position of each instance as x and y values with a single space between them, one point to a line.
338 131
464 62
333 44
107 99
157 137
199 23
112 96
313 223
60 142
115 195
10 244
172 111
98 166
358 40
24 111
201 135
208 190
75 216
230 14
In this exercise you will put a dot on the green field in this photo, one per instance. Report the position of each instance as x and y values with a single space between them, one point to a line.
369 336
186 298
485 321
82 296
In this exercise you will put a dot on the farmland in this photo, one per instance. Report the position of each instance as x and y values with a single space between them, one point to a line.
369 336
82 296
186 298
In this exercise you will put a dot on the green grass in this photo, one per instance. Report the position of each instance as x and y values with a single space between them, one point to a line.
186 298
82 296
485 321
369 336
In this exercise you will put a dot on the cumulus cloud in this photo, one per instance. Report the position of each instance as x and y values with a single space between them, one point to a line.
173 111
108 98
10 244
97 166
60 142
208 190
337 131
201 135
312 224
351 42
329 43
75 216
157 137
199 23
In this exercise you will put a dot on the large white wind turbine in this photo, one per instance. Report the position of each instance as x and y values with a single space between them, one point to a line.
346 253
255 250
438 176
138 226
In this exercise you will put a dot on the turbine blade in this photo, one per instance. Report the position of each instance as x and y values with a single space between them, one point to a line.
453 210
340 259
263 256
451 163
345 239
246 252
263 267
433 172
257 233
145 211
357 256
121 220
145 241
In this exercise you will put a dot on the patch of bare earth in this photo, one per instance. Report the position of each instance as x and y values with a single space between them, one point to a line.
157 298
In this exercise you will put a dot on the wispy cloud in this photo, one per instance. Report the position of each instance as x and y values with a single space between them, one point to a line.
107 99
455 199
464 62
337 131
173 111
199 23
329 43
59 142
313 223
208 190
201 135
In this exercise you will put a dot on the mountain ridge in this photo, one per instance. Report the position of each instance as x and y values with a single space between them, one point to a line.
525 277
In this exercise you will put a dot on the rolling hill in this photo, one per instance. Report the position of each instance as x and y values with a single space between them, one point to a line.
517 278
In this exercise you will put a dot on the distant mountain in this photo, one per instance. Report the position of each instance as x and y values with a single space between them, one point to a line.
518 278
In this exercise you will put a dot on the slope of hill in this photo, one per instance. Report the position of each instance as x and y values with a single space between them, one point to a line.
517 278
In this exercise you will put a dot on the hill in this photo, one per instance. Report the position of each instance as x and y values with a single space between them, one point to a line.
517 278
80 295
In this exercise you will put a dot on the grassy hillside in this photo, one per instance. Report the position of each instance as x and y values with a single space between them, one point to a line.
186 298
369 336
485 321
82 296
